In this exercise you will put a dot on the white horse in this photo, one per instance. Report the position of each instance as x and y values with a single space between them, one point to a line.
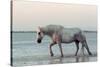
59 35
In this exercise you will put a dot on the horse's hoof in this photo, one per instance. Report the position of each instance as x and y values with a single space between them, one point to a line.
62 56
75 54
90 53
52 55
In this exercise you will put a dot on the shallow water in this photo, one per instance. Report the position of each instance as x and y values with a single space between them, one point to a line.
27 52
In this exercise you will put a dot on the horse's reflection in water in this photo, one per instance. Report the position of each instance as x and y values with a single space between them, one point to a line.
56 60
69 59
82 59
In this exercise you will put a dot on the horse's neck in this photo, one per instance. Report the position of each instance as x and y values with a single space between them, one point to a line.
51 33
47 31
51 29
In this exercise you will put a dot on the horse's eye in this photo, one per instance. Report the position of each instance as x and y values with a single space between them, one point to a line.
39 33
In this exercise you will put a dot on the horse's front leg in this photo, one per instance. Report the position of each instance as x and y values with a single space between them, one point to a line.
57 40
60 49
51 53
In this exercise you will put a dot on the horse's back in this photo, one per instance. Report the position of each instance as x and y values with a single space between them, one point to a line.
54 28
71 31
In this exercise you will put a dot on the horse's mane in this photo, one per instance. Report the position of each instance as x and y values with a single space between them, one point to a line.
49 29
52 28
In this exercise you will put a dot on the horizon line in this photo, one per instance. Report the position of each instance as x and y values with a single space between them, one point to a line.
35 31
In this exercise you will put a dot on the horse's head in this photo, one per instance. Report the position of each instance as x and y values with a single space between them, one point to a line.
39 35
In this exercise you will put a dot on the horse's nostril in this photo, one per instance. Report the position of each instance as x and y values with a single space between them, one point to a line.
39 41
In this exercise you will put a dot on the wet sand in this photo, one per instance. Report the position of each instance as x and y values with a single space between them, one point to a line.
30 61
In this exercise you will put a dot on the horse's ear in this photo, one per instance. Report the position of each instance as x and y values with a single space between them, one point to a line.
40 28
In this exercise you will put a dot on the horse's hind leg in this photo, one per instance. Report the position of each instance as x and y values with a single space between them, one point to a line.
77 46
83 49
84 44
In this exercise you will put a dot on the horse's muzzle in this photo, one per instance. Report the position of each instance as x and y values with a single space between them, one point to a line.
39 41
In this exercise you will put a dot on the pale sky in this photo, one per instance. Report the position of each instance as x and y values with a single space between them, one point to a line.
28 15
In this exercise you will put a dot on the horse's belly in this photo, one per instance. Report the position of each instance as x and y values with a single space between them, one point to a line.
68 35
67 39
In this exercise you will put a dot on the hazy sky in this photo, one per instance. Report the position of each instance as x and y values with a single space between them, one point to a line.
28 15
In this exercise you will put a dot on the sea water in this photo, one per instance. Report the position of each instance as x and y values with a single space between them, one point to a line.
26 51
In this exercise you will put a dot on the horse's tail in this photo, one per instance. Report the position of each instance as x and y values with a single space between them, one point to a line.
80 36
